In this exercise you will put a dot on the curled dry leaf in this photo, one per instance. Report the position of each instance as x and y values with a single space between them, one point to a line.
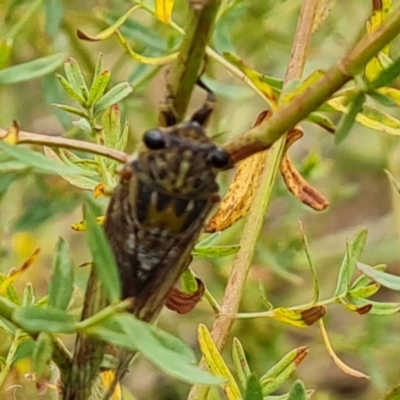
313 314
182 302
296 184
239 197
339 363
15 273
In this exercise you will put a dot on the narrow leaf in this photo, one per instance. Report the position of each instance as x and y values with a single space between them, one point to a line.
385 279
31 69
42 355
61 283
215 251
253 389
119 330
110 30
98 87
340 364
282 370
166 59
103 257
71 90
216 364
113 96
34 320
348 266
36 160
298 391
347 120
240 363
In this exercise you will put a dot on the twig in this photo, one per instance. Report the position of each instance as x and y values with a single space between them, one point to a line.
254 222
264 135
187 67
58 141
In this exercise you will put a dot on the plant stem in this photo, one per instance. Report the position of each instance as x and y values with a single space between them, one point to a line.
186 69
264 135
255 219
61 142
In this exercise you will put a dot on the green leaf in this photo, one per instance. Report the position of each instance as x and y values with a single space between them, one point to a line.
189 282
42 355
79 181
31 69
103 258
62 280
118 330
34 320
387 75
253 389
75 77
54 12
281 371
378 120
6 46
215 251
378 308
113 96
347 120
383 278
28 298
111 123
298 391
98 87
348 266
71 110
38 161
364 291
364 280
10 292
240 364
71 90
322 120
381 98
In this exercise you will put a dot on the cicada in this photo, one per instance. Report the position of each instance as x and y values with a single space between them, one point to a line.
158 210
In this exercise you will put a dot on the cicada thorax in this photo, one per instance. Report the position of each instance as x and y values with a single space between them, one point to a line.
158 210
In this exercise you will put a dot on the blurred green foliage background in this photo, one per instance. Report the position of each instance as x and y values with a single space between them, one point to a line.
35 210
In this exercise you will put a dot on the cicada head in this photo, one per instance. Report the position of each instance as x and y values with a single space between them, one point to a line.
181 160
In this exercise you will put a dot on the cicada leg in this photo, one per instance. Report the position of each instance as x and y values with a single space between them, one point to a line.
202 115
168 116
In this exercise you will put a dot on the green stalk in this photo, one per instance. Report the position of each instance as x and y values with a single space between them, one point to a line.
187 68
255 219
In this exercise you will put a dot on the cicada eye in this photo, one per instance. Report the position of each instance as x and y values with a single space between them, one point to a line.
219 158
154 139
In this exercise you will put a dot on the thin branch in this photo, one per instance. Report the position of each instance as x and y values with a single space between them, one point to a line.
264 135
254 222
187 67
61 142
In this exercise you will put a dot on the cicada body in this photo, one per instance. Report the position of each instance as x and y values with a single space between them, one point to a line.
154 218
158 210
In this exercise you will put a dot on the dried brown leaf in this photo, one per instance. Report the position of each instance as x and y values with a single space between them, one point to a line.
239 197
182 302
296 184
